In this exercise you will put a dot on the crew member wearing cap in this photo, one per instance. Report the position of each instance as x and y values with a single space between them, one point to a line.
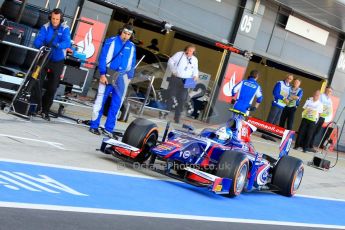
117 60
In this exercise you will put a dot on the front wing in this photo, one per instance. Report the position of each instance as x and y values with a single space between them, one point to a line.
217 184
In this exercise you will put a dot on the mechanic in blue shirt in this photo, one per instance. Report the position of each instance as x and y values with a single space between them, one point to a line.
246 90
294 98
54 34
118 58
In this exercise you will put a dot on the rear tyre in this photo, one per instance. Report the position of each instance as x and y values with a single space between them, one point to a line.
143 134
17 56
287 175
10 9
234 165
30 16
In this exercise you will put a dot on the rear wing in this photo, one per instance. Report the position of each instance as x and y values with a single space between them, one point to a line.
286 142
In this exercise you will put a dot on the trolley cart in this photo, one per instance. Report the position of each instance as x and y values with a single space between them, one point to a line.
21 104
75 76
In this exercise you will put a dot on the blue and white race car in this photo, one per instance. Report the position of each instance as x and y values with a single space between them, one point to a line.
223 159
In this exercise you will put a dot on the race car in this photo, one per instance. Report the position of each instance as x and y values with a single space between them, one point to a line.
223 159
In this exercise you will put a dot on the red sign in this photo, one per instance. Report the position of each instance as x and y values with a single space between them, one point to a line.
88 38
234 74
260 124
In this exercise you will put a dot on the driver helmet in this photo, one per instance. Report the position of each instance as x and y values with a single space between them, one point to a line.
223 134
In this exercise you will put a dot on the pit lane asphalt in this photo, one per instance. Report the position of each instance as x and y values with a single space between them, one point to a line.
59 143
17 219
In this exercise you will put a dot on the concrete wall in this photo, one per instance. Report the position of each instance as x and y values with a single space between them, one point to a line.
67 6
275 42
204 17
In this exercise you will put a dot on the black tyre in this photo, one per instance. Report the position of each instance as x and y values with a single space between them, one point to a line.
234 165
30 16
143 134
6 71
287 175
30 56
17 56
10 9
42 19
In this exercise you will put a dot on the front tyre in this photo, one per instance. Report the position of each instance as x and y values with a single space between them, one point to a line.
142 134
287 175
234 165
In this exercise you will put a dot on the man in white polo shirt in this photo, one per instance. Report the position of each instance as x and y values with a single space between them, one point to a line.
184 67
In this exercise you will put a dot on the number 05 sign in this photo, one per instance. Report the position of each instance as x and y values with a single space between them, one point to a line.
246 23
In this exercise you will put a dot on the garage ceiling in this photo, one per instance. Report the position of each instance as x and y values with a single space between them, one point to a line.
330 13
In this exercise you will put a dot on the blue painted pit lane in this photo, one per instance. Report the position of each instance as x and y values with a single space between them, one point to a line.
35 184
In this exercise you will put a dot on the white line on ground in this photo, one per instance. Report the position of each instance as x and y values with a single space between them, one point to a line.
86 169
55 144
161 215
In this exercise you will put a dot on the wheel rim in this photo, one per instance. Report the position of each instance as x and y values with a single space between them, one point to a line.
298 179
151 141
240 180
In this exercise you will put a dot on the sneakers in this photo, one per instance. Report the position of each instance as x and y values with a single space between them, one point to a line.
109 134
45 116
94 131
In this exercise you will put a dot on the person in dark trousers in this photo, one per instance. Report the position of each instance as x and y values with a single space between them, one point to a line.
154 43
281 93
184 67
118 58
311 113
288 114
54 34
326 115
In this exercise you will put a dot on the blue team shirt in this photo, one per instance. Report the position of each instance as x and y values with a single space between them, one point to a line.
61 42
117 56
246 91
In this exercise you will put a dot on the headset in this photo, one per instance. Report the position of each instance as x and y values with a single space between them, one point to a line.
128 27
56 11
190 46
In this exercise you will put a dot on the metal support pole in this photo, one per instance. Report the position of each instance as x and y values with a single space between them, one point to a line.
146 96
47 4
214 88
